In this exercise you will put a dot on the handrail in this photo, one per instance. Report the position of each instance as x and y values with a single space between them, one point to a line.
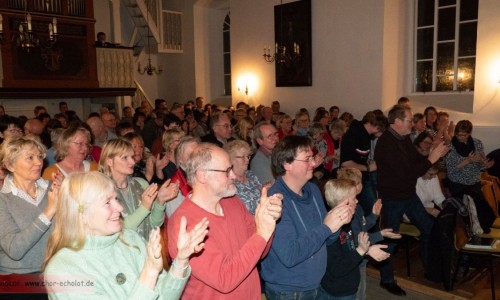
140 95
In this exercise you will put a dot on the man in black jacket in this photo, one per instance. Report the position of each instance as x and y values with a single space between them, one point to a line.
399 166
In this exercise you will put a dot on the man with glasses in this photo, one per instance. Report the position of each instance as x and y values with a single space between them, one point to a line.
221 129
355 153
294 267
399 165
266 135
109 121
226 268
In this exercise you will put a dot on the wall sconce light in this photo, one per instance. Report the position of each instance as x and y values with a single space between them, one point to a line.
246 89
247 85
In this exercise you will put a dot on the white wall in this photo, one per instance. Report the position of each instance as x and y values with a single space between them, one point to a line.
177 83
208 49
102 16
347 53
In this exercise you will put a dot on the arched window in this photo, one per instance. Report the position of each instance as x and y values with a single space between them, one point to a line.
226 30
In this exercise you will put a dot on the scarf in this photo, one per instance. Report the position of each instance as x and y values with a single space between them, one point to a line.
463 149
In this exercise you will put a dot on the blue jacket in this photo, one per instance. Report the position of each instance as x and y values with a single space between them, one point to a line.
297 259
358 225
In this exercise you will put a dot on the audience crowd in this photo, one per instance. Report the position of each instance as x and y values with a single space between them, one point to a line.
199 201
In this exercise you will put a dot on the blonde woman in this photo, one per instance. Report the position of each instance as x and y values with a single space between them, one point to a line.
89 245
27 206
170 140
243 130
144 205
284 126
72 150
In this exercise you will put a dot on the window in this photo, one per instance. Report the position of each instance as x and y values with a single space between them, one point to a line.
227 54
446 34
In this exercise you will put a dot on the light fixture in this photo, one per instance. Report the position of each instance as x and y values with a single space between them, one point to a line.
1 28
26 39
282 54
149 69
246 90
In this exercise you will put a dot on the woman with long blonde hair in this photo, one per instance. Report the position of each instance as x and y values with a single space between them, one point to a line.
89 245
243 130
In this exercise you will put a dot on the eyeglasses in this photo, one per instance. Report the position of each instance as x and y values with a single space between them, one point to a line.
81 144
227 171
272 135
226 126
307 159
408 119
244 156
14 130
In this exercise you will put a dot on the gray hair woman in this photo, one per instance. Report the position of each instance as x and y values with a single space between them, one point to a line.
27 206
90 244
247 184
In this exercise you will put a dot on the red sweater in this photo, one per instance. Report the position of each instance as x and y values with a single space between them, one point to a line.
226 268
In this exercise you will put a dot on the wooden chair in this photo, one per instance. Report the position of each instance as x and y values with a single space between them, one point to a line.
490 254
496 184
489 195
496 224
409 232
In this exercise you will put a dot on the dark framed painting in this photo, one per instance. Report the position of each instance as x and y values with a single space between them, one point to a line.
292 32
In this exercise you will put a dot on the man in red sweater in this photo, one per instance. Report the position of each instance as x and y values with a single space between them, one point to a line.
236 241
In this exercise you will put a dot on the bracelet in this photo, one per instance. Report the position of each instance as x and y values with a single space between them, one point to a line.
177 267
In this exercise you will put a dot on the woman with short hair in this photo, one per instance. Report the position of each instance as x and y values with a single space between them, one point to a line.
27 206
72 150
464 165
247 184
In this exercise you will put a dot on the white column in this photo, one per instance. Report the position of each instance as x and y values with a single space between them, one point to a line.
116 21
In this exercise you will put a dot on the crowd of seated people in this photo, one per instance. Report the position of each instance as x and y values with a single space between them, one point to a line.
231 188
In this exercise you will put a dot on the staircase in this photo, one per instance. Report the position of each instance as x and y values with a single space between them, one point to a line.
144 15
165 27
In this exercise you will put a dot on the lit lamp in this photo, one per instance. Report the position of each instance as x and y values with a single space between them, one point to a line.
26 39
246 89
53 31
1 28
